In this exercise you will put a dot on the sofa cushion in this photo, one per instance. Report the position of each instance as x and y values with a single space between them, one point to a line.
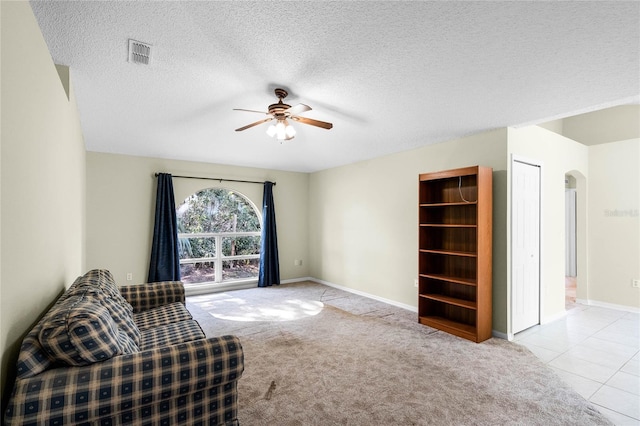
165 314
120 314
68 293
171 334
102 279
152 295
81 331
101 285
32 359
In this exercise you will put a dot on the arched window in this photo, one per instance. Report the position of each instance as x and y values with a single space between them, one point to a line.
219 237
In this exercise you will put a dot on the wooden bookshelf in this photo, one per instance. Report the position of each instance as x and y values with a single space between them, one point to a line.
455 251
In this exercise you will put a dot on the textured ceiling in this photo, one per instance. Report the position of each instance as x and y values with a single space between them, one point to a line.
390 76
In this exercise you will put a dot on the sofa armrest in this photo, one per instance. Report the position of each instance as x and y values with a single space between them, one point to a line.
148 296
121 386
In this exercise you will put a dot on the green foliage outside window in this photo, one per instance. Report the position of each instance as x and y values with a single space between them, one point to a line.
217 210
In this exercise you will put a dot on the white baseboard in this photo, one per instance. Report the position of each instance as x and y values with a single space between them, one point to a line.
370 296
218 288
237 285
614 306
296 280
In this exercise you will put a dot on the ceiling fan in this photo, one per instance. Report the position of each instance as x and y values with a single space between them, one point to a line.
282 112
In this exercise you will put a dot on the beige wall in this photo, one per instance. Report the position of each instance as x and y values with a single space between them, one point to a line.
558 156
43 183
614 223
364 218
609 125
121 201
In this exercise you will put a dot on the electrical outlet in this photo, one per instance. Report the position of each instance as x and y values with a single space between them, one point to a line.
129 276
635 284
297 262
415 283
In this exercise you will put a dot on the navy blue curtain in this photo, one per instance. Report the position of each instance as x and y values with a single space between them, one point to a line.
165 260
269 265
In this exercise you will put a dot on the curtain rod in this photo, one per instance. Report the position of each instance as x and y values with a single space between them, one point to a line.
218 179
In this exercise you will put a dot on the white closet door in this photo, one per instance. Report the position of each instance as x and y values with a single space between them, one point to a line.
525 246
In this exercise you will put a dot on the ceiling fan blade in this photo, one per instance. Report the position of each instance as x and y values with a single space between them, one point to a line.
250 110
298 109
254 124
313 122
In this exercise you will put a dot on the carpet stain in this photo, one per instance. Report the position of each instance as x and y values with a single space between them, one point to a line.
269 393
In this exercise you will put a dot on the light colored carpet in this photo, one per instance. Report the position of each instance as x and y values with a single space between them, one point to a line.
315 355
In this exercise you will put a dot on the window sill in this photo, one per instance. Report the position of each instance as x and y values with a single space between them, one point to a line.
211 287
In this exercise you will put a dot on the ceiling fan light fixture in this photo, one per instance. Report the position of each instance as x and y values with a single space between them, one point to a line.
289 131
281 130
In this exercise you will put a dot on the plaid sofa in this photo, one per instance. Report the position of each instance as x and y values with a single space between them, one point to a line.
109 355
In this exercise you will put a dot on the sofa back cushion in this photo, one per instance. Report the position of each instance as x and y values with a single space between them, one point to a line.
99 284
103 280
32 359
119 313
81 331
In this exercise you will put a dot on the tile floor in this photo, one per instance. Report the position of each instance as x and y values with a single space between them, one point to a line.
596 351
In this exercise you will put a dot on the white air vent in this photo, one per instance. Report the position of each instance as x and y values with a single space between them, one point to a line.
139 53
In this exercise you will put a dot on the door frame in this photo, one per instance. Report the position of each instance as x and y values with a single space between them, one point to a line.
541 292
571 230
